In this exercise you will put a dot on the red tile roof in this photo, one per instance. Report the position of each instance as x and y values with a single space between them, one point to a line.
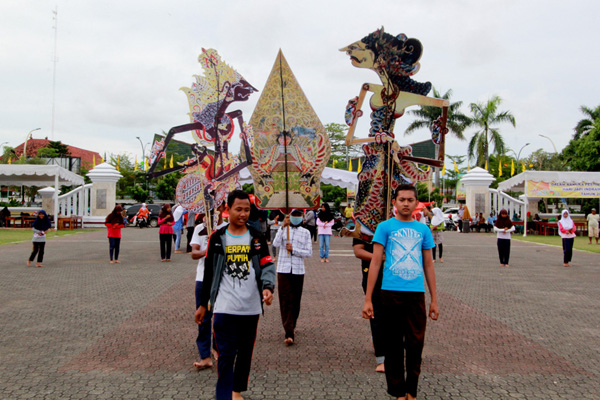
87 156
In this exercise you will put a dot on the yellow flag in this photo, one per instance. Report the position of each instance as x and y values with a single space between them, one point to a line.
165 166
333 164
358 169
118 163
428 168
94 161
443 169
10 160
171 163
455 167
468 167
135 164
486 168
523 167
146 164
350 165
499 167
512 167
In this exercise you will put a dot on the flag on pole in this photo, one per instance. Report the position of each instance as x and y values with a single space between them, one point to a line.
350 165
486 168
94 161
333 163
512 167
10 160
523 167
443 169
146 164
358 169
165 166
455 167
171 163
499 167
118 162
135 164
468 167
428 167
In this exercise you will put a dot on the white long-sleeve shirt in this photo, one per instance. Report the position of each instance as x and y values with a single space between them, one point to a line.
302 248
500 234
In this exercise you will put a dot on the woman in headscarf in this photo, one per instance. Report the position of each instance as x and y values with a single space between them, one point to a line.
324 223
114 222
40 227
503 229
466 218
165 232
437 228
566 230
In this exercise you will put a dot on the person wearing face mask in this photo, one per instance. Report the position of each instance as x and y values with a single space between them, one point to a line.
294 245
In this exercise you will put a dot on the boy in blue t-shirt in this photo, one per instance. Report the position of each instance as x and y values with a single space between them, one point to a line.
408 263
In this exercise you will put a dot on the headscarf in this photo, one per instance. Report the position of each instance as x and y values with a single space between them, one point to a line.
42 224
567 223
325 216
503 222
466 213
438 217
115 217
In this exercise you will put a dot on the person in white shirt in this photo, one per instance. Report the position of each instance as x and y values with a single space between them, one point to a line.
592 220
294 244
199 242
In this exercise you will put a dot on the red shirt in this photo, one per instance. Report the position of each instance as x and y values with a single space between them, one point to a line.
114 230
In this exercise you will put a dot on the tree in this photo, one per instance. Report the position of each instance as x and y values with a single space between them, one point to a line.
457 122
165 188
485 117
583 151
339 151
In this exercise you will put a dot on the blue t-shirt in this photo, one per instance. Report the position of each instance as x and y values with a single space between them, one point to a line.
404 243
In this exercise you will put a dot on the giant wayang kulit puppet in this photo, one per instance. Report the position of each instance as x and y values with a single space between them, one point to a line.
290 146
209 177
387 163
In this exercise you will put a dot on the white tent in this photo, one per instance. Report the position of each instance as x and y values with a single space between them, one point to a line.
330 176
39 175
518 182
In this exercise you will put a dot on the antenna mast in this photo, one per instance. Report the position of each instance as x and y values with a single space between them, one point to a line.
54 61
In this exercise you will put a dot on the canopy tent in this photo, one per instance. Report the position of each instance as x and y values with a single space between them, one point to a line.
39 175
536 184
330 176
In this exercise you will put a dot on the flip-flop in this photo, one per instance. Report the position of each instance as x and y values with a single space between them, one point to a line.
201 367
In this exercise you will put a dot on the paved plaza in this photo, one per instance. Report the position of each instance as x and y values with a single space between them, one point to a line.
82 328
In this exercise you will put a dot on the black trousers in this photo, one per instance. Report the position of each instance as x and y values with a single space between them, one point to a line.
38 249
189 234
165 246
234 337
114 245
290 296
376 326
568 249
440 247
504 250
404 319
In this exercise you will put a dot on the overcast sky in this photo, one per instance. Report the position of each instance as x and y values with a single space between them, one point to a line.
121 63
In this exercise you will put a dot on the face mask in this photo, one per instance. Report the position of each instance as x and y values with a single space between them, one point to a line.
296 220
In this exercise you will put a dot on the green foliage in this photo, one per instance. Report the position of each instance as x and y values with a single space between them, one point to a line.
165 188
583 151
140 195
485 116
427 115
47 152
339 151
248 188
334 194
541 160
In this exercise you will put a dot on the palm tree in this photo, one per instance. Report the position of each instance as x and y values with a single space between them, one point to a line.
456 121
585 125
485 116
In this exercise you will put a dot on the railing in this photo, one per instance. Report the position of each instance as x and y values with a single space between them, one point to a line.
500 200
77 202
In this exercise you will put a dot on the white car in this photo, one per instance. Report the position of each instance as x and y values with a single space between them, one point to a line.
451 213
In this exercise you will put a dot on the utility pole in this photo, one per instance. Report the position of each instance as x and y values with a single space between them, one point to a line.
54 61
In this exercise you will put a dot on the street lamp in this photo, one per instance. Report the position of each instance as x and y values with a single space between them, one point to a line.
26 139
519 155
550 142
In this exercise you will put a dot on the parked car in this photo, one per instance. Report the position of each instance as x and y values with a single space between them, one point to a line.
451 213
154 211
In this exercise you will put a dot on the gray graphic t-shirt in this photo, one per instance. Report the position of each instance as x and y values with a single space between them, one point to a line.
238 293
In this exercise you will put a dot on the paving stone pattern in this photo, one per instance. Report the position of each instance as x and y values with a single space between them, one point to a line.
82 328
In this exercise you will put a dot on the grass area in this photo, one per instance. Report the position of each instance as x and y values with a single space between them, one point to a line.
581 242
8 236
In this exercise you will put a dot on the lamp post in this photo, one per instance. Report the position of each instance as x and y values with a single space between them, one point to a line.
24 155
143 155
550 142
519 155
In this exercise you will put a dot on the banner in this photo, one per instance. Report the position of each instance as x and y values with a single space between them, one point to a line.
562 189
